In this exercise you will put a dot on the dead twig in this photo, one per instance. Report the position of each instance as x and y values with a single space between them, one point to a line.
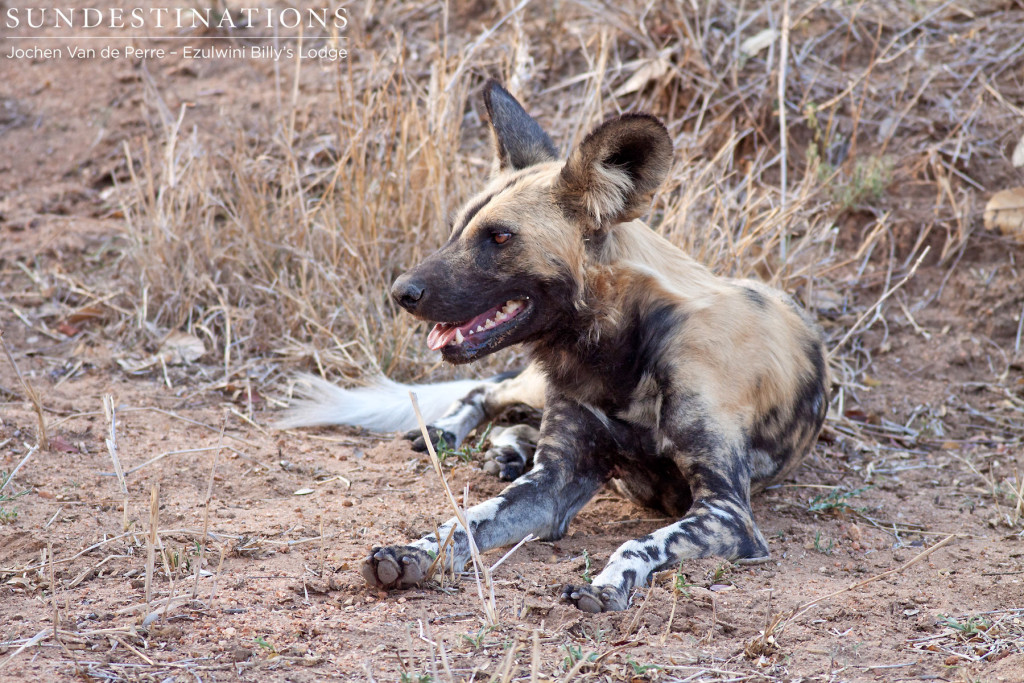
31 394
482 573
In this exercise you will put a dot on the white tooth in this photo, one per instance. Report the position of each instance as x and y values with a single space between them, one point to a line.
489 324
479 328
500 316
458 337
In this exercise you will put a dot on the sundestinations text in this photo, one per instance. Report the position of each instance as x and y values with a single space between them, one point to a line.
178 18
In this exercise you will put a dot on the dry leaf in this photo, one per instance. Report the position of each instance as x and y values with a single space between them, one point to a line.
86 313
827 300
137 366
62 445
759 41
1005 212
67 329
182 348
649 70
1018 153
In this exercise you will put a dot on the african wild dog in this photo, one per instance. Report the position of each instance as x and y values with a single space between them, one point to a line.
686 390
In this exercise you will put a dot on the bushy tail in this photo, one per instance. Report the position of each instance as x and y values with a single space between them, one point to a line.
382 406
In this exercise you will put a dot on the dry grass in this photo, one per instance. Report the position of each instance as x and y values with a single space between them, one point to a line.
281 242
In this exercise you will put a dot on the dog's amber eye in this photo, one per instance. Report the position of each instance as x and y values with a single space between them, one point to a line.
502 237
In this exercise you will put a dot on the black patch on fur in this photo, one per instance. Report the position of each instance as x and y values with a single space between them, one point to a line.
782 429
474 209
656 483
605 373
755 297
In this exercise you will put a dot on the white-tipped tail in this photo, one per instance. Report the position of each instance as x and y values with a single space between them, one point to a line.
381 406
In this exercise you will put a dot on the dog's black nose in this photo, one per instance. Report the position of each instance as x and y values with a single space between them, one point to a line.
406 292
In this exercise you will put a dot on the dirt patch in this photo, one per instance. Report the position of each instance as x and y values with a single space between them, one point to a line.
254 573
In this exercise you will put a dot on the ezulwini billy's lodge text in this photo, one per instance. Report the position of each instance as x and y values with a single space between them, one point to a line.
323 53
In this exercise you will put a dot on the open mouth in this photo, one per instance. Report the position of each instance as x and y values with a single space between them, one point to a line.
489 324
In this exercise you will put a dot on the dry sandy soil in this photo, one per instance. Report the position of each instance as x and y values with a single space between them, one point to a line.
897 549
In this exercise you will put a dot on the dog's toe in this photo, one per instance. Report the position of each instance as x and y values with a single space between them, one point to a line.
395 567
505 462
437 438
595 599
388 571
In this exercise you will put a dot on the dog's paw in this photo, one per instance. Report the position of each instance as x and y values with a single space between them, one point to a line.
505 462
436 437
596 598
397 566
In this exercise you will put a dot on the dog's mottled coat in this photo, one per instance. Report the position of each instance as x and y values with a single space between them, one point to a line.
685 390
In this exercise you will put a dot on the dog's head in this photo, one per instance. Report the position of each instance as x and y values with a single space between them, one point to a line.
513 269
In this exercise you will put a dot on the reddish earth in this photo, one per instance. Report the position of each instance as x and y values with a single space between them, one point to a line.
928 453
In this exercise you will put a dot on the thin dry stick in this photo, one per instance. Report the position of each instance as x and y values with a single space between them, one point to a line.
111 440
160 457
504 675
517 546
10 477
783 136
30 393
800 610
580 663
672 613
206 510
636 617
535 658
154 520
220 566
34 640
885 295
53 596
479 568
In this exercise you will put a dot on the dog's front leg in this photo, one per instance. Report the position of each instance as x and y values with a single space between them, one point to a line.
719 524
571 463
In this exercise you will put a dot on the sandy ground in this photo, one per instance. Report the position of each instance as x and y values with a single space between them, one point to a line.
274 593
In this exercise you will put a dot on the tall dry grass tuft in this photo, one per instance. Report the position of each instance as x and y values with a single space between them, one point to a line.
288 246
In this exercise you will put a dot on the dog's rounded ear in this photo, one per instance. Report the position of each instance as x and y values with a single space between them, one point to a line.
519 141
611 176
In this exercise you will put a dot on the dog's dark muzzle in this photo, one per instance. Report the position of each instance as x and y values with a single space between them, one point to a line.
408 292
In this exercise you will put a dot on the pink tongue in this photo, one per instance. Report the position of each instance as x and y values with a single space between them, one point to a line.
440 336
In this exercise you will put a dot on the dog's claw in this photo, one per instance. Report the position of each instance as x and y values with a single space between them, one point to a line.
387 571
505 463
595 599
395 567
436 436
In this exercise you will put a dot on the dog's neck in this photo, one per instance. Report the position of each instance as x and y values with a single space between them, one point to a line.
608 330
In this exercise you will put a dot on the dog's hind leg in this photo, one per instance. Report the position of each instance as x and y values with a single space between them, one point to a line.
511 451
720 523
482 405
571 463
